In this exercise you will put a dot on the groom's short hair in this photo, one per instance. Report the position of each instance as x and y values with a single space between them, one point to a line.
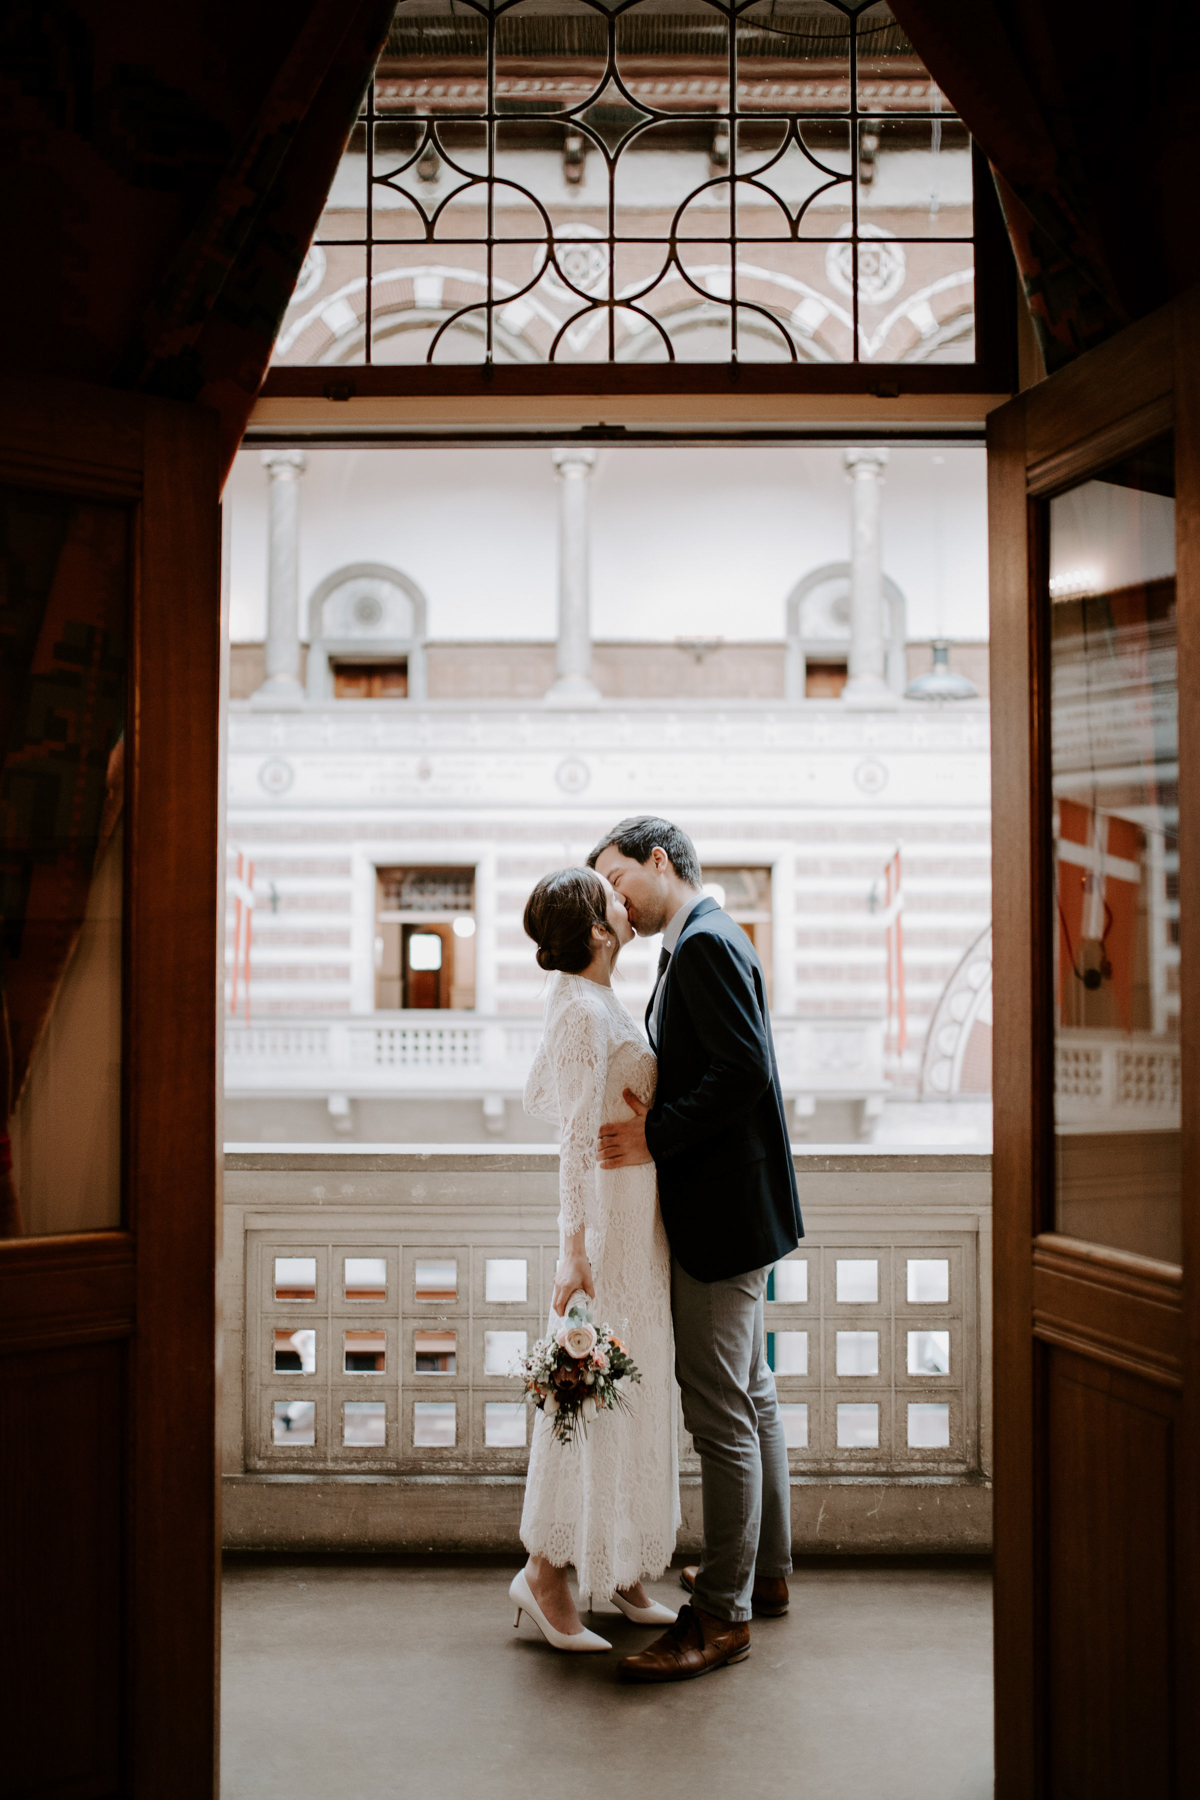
638 838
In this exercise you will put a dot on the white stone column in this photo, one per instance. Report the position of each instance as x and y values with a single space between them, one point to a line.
574 686
281 685
867 684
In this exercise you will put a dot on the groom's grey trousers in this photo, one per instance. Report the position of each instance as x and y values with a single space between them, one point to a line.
729 1406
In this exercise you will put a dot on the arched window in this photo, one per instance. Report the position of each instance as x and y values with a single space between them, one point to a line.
367 635
818 634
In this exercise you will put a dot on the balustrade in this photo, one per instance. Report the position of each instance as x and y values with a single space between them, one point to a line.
374 1301
461 1053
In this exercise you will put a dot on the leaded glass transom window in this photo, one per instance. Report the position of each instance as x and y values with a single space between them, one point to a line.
687 181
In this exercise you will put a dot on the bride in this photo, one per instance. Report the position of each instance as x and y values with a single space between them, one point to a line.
609 1503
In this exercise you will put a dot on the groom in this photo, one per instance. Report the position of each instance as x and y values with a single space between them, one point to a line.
727 1188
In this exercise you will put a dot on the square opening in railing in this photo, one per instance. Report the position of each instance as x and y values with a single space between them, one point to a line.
295 1352
787 1352
364 1424
295 1277
858 1281
436 1352
929 1352
436 1280
505 1280
858 1353
795 1425
365 1277
504 1424
858 1425
928 1281
789 1282
364 1352
434 1424
501 1349
295 1422
928 1426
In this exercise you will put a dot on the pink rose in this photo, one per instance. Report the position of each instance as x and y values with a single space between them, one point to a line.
577 1340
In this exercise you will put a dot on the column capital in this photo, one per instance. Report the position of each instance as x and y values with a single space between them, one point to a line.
866 464
284 465
574 464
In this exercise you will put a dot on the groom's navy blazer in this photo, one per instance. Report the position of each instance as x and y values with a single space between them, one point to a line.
717 1130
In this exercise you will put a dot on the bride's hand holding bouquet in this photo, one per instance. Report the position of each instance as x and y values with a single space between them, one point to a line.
575 1374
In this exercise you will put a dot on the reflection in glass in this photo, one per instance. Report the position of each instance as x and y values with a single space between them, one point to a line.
1115 823
62 785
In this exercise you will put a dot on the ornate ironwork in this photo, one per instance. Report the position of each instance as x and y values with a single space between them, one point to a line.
729 180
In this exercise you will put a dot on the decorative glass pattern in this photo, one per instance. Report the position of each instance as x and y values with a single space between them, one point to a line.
588 181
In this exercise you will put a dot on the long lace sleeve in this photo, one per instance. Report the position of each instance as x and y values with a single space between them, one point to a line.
578 1046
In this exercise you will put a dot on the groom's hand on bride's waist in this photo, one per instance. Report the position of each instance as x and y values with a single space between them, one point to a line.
623 1145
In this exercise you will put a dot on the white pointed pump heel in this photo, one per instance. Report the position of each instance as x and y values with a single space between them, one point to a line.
654 1614
520 1592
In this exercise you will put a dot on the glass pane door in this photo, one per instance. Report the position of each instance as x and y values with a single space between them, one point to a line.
63 667
1115 860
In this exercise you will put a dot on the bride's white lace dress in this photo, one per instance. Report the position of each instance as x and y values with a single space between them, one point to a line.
609 1504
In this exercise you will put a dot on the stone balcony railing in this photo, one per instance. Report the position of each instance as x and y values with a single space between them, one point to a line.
373 1299
1117 1081
448 1054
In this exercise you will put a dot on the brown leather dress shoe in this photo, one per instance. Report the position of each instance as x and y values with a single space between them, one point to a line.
695 1643
770 1596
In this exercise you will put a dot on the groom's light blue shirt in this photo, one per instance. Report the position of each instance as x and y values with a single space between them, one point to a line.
670 938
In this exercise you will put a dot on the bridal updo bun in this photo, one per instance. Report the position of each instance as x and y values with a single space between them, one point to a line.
559 917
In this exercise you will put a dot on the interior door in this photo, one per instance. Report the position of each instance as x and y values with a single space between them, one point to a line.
1095 534
110 637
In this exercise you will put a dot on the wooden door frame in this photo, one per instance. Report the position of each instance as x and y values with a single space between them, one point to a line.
1049 1290
151 1285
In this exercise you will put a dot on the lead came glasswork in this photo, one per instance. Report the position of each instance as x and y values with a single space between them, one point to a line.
778 180
1115 856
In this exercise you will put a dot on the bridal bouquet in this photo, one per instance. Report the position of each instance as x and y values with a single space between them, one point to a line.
576 1374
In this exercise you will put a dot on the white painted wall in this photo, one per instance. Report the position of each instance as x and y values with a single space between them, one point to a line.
685 542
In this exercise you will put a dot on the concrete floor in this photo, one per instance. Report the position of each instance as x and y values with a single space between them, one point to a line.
357 1679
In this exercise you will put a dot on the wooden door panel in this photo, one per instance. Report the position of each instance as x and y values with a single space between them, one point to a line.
107 1337
61 1507
1124 1310
1110 1551
1097 1349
